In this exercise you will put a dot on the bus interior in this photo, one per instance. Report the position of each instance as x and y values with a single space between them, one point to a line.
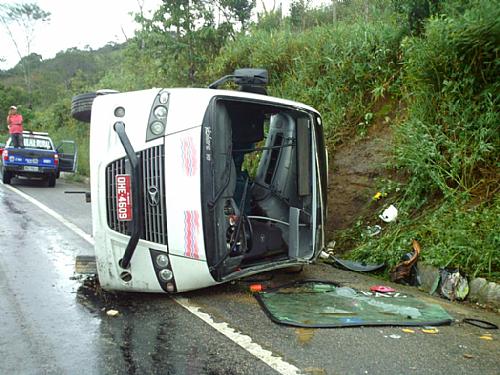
259 159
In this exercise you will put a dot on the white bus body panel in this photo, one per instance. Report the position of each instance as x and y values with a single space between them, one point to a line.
186 242
182 188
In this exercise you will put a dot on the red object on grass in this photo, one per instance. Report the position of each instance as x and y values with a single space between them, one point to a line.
382 289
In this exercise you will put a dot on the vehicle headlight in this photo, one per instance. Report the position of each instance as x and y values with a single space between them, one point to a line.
119 112
166 274
160 112
157 128
164 98
162 260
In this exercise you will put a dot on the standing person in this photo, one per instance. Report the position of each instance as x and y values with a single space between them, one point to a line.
15 125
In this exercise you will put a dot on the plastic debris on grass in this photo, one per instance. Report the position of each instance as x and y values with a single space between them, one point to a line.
389 214
373 230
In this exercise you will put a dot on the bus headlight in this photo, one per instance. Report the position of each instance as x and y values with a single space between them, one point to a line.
162 260
157 128
119 112
164 97
160 112
166 274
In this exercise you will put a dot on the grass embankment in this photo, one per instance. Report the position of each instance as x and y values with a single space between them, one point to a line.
450 146
448 142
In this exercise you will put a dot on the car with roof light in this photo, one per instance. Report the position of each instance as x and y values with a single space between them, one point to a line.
38 158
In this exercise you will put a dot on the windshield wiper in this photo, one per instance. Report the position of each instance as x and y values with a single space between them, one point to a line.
136 182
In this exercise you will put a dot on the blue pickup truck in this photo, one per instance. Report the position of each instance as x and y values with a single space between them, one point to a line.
38 158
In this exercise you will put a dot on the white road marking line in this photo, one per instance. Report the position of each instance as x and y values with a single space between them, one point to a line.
54 214
246 342
266 356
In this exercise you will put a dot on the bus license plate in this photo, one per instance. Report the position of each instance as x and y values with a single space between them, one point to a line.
123 197
29 168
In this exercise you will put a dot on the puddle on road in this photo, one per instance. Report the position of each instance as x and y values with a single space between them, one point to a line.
11 207
151 335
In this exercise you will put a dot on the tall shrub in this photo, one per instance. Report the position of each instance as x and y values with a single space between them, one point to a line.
452 137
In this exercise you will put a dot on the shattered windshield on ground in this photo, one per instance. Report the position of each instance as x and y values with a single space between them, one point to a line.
323 304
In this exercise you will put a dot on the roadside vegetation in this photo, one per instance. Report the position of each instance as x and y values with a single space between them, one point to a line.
432 66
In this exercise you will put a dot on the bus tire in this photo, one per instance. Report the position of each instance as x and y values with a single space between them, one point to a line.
81 106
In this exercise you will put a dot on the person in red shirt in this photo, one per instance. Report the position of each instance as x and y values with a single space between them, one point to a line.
15 125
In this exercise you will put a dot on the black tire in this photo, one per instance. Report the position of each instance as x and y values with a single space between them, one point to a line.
81 106
6 177
52 180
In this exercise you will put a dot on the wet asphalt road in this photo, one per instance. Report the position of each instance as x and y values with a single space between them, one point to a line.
53 324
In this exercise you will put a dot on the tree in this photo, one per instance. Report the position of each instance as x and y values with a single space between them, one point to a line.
26 17
183 36
418 11
239 10
298 10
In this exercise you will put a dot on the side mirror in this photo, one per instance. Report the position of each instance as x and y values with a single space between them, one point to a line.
248 79
250 76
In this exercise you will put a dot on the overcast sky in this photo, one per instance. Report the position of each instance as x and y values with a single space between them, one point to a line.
76 23
81 23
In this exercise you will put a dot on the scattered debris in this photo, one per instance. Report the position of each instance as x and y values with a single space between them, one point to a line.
480 323
254 288
408 330
324 255
390 214
430 330
373 230
468 356
112 313
382 289
452 285
395 336
304 335
357 266
486 337
406 271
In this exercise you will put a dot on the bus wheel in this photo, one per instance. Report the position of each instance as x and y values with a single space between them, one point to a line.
81 106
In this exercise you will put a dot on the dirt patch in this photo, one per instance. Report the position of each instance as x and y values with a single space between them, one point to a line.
355 171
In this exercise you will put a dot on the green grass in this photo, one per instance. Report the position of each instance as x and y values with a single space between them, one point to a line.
449 146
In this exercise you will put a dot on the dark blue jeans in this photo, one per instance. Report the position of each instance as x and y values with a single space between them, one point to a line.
17 140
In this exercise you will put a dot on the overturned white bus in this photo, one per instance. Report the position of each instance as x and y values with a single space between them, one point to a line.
194 187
